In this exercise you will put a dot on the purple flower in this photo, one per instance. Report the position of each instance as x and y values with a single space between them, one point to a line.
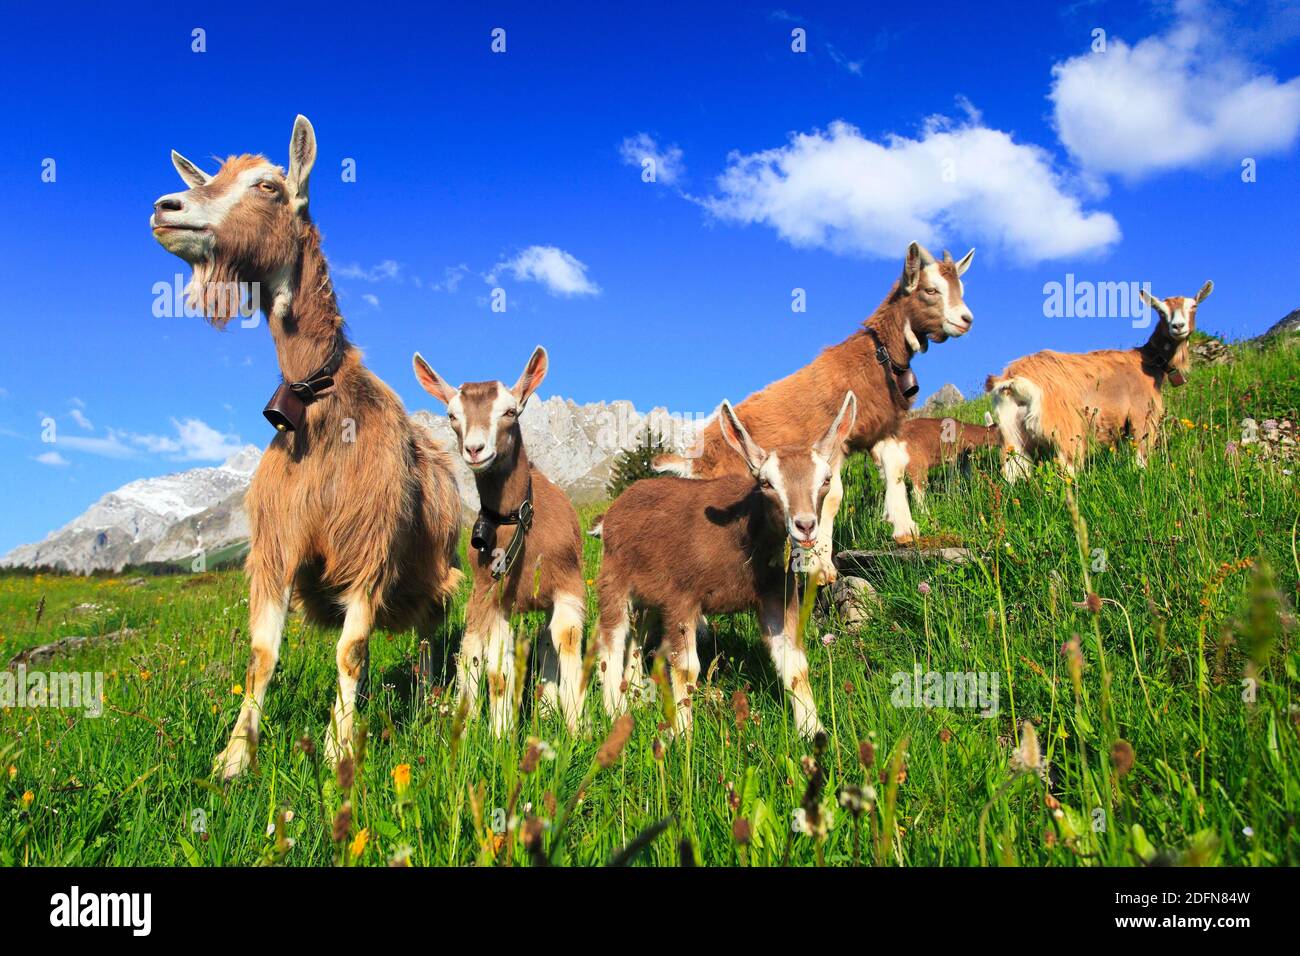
923 587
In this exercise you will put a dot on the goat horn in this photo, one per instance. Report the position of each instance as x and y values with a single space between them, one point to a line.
947 256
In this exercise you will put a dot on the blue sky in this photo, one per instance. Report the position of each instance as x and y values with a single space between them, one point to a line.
994 125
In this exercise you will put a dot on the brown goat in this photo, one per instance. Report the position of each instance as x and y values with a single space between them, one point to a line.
546 572
689 547
1053 402
922 444
354 510
925 305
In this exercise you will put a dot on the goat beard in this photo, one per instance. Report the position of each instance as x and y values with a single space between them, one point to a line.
216 291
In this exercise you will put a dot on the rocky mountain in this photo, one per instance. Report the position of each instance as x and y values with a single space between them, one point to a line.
171 518
946 396
137 522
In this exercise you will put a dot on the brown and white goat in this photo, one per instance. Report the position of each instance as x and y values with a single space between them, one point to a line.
689 547
922 444
355 511
1053 402
925 305
544 575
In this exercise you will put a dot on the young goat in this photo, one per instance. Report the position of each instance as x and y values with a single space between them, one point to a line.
1051 402
538 568
921 444
687 547
352 509
925 305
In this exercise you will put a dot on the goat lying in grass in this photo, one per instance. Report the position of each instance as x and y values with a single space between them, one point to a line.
687 547
540 571
921 444
1052 402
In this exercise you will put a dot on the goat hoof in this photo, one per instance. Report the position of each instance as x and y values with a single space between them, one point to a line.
231 762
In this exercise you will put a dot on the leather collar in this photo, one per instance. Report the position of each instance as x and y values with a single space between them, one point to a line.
287 409
903 377
484 534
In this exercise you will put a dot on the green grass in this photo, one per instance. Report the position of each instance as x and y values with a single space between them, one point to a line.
1181 556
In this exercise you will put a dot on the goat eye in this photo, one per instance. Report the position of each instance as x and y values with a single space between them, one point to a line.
764 483
932 291
266 187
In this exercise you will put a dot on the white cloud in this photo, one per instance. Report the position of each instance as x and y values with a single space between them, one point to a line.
386 271
80 418
1176 99
195 440
372 300
451 278
52 458
554 268
111 447
962 182
668 164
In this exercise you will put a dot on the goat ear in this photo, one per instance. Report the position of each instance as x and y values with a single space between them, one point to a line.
1152 301
534 372
916 259
964 262
431 381
1205 291
738 438
190 174
831 445
302 157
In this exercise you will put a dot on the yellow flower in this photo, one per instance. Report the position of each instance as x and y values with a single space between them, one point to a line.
214 708
237 689
145 675
402 777
1187 423
13 771
359 843
28 797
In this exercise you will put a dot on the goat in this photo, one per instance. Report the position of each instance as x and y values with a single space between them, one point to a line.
921 444
689 547
925 305
352 508
539 569
1051 402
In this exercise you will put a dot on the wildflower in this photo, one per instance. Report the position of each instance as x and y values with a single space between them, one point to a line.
342 822
923 588
145 675
851 799
1028 757
306 745
1230 450
1091 603
13 771
28 797
740 707
237 689
1248 832
402 777
612 748
945 735
740 831
359 843
1121 756
828 640
345 773
866 754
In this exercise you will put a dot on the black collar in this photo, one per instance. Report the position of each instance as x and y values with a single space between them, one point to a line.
484 535
287 408
904 378
1162 357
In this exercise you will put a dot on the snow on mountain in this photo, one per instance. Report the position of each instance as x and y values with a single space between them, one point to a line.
172 517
